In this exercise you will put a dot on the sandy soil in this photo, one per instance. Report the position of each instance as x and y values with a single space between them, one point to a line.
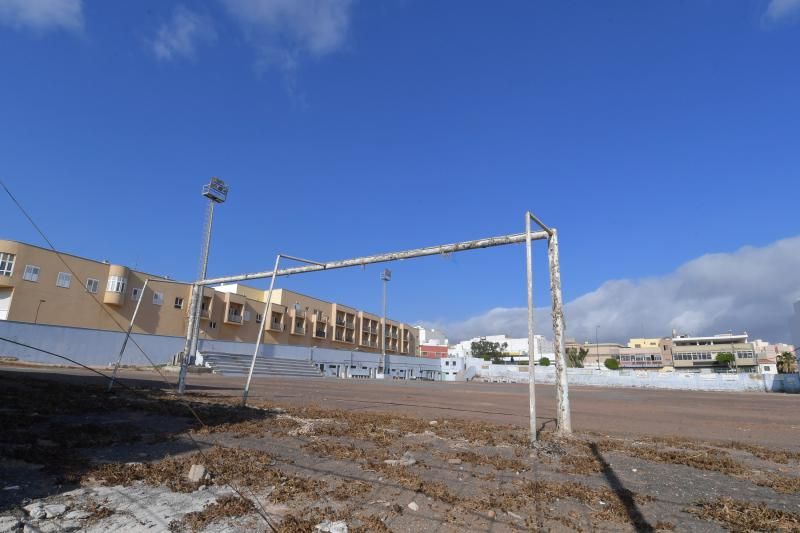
74 457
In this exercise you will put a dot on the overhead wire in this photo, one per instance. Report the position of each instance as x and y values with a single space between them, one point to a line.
38 229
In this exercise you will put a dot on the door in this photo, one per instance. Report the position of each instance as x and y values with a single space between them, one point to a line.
5 302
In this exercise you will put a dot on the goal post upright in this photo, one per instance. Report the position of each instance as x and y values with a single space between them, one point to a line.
563 420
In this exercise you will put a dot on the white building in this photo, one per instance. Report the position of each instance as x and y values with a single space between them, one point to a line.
431 336
453 368
515 346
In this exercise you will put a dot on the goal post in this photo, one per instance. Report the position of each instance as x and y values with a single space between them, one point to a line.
563 421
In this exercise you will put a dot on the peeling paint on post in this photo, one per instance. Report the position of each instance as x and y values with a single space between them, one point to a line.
531 341
563 420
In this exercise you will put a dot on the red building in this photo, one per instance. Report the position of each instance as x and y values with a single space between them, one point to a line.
432 351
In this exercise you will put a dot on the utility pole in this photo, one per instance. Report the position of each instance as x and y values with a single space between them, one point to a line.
36 318
386 275
217 192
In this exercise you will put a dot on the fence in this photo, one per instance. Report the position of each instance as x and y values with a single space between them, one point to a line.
94 347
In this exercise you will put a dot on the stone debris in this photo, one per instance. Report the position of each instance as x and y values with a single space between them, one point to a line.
406 460
36 510
9 524
455 461
54 510
331 527
413 506
77 515
433 422
197 473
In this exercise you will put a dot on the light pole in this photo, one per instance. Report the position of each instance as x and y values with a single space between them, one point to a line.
597 345
36 318
217 192
386 275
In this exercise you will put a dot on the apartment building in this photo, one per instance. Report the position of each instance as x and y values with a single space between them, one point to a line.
646 354
37 287
699 353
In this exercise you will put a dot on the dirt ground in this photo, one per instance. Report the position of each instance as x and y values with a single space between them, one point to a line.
386 457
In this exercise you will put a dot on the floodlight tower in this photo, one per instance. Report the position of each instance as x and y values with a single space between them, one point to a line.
217 192
386 276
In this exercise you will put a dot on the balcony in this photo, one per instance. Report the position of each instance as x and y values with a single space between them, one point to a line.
350 324
233 318
299 330
320 333
298 313
276 326
340 321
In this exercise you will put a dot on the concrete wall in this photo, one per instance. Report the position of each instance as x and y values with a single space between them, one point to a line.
100 348
645 379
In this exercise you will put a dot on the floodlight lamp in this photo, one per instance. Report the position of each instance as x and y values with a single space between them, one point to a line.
216 190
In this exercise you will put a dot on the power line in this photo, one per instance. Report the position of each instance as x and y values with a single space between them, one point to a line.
263 512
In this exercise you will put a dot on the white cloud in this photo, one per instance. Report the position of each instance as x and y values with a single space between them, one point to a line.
750 290
42 15
283 29
780 9
181 35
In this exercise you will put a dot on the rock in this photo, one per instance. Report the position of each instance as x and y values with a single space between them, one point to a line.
406 460
413 506
455 461
491 514
397 508
433 422
36 510
196 473
9 524
77 515
55 510
331 527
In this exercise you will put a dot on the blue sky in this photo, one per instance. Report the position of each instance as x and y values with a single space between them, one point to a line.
649 133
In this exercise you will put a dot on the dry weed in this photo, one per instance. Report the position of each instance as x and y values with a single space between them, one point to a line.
744 516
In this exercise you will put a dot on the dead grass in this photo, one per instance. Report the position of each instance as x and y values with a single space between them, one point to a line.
240 467
225 507
497 461
345 452
741 516
350 489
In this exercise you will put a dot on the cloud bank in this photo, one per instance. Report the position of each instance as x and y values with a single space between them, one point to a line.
283 30
781 9
750 290
182 34
42 15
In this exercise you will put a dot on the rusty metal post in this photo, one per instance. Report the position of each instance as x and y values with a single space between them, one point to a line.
264 322
127 336
531 340
563 419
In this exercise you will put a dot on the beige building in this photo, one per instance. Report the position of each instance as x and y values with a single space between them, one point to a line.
37 287
699 353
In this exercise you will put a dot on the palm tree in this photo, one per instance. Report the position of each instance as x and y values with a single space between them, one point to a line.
786 362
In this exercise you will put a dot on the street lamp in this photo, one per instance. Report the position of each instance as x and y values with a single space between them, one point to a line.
217 192
36 318
386 276
597 346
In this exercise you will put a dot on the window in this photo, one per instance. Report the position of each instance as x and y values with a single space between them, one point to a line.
212 325
91 285
135 293
259 318
158 298
31 273
64 279
246 315
116 284
178 303
6 263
